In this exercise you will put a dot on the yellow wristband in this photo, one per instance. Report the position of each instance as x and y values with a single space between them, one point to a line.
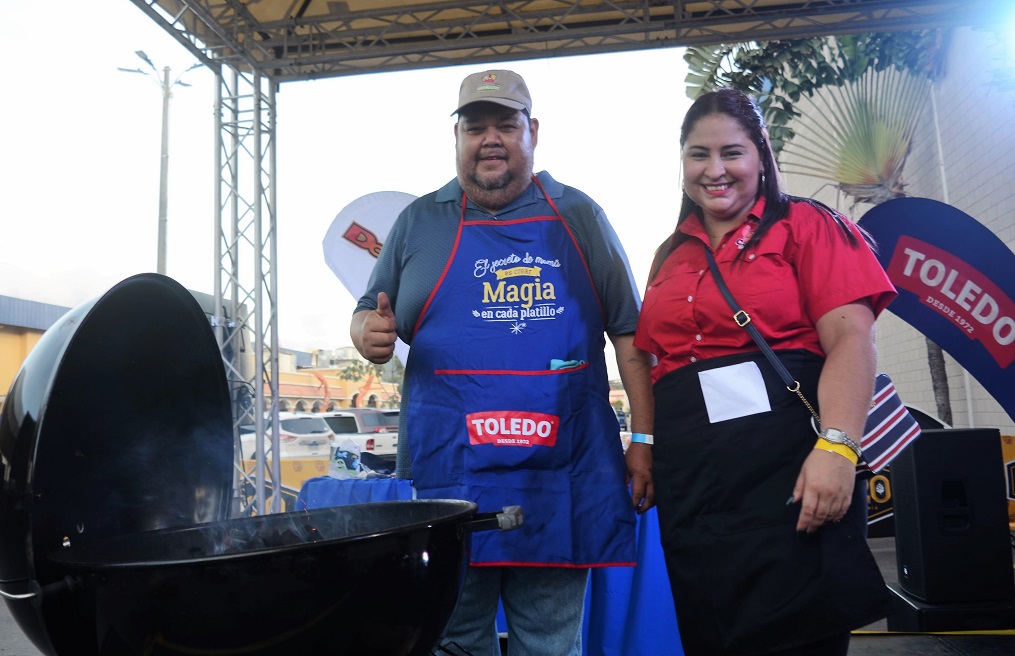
841 449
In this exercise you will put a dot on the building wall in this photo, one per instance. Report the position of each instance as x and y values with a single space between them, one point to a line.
326 390
974 173
15 343
977 145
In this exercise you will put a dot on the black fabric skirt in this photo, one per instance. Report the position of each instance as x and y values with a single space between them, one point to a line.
744 581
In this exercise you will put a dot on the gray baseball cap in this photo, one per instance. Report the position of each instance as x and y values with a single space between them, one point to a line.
505 88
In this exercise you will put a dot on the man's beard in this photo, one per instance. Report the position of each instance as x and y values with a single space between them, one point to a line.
494 192
492 184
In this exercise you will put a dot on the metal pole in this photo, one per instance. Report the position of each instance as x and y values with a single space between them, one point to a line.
944 190
276 464
164 173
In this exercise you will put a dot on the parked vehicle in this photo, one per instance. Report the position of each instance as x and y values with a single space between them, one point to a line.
394 416
622 419
300 435
305 443
373 429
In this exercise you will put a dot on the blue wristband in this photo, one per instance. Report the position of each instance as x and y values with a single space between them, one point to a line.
642 438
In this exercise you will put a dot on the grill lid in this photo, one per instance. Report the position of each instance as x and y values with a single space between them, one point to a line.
119 421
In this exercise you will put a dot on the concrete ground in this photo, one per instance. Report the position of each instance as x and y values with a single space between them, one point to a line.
12 640
873 640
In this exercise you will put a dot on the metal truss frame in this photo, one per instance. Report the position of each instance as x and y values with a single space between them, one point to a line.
305 39
246 248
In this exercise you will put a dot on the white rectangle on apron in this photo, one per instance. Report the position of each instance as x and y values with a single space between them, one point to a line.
734 391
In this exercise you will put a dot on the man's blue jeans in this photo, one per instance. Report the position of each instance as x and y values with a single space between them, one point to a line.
544 608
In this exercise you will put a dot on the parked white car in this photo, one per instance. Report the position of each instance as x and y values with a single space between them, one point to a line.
301 435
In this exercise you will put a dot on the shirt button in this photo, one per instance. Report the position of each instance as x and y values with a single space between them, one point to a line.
751 256
698 337
694 359
701 272
690 298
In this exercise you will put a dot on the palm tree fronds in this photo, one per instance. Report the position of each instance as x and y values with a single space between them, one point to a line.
859 134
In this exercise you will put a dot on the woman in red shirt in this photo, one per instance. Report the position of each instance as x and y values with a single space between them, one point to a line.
752 572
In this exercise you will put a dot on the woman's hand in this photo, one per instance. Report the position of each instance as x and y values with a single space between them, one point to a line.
824 489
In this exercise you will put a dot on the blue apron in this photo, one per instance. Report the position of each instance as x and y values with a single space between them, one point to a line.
493 423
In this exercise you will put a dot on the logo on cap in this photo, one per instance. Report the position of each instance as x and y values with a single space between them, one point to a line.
489 83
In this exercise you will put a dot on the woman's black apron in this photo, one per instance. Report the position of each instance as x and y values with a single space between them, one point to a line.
744 581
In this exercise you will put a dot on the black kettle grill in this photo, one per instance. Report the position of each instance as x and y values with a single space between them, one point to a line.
116 470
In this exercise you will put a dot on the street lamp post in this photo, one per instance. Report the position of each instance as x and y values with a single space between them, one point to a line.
166 86
164 173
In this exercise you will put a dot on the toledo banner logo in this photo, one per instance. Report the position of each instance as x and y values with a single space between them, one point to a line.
512 428
955 285
959 293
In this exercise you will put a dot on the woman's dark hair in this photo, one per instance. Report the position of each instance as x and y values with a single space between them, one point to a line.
741 108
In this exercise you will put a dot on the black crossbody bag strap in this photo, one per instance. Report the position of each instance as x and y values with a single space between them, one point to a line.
744 321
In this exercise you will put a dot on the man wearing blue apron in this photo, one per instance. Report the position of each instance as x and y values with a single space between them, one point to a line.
504 284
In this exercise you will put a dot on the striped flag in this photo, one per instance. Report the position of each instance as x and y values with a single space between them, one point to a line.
890 427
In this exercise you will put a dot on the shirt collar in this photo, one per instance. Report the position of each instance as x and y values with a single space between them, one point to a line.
693 226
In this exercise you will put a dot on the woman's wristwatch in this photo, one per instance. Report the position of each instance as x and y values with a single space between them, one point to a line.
836 436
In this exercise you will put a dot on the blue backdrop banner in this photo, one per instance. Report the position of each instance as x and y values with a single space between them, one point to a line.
956 282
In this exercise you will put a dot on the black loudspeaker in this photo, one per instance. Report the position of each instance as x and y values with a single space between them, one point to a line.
952 537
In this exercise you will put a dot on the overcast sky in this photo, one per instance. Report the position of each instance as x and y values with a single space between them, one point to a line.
79 176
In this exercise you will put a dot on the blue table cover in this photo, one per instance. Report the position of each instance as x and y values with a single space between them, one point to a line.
325 491
628 610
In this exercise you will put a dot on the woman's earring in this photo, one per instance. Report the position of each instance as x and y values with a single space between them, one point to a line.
762 178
